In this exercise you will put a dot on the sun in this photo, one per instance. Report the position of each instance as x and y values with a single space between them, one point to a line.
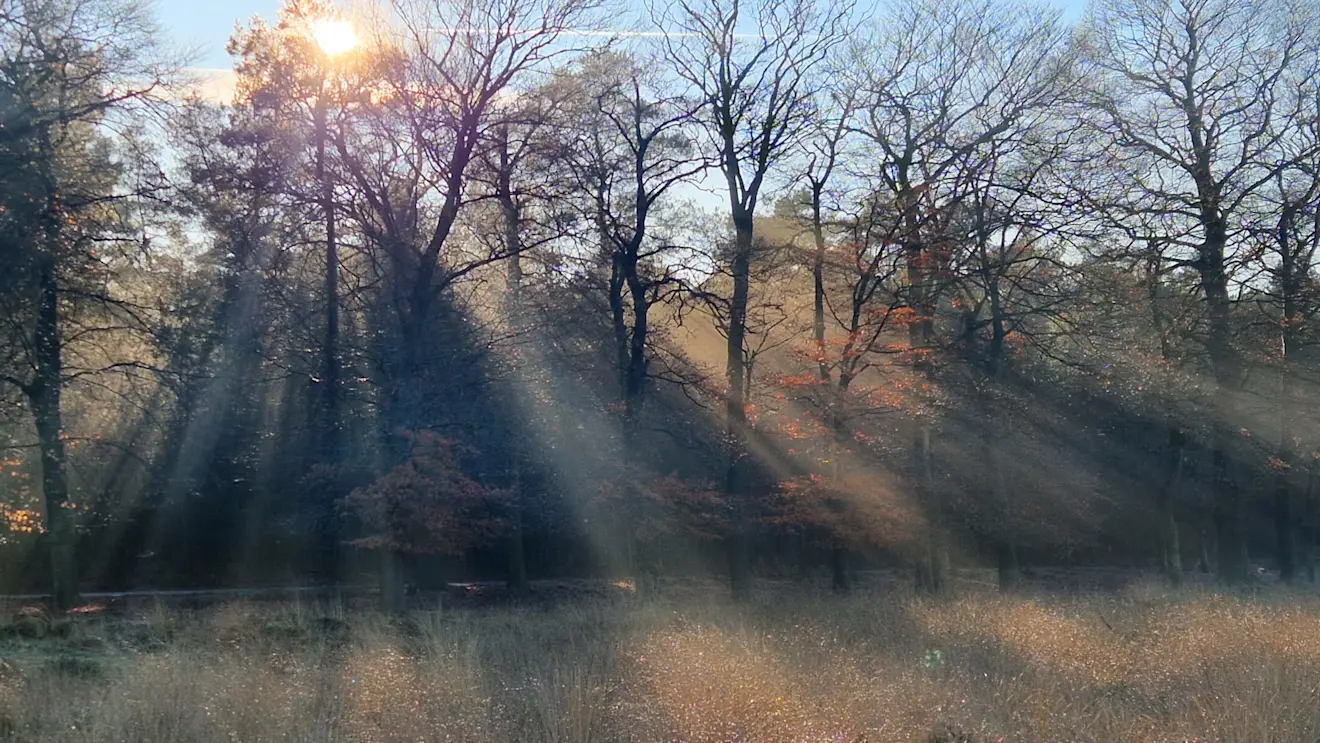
334 36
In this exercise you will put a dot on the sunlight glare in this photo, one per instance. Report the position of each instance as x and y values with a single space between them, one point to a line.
334 36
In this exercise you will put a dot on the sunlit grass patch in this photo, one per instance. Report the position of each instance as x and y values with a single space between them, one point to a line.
798 668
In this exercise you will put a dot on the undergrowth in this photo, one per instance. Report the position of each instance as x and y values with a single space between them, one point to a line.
1142 666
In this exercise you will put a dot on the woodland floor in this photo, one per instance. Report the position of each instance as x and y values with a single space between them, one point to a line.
1120 661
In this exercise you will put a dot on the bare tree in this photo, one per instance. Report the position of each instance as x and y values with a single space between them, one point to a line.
755 67
857 310
443 75
638 149
1189 107
68 71
943 90
628 144
1285 231
511 163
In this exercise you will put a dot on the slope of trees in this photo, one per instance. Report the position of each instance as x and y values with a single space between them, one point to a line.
489 292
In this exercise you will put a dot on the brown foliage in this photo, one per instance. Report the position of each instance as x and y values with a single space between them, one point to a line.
427 505
656 507
682 506
857 509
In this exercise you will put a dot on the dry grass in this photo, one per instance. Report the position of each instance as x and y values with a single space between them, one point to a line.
1140 666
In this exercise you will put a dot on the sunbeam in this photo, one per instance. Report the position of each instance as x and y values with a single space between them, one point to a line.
566 371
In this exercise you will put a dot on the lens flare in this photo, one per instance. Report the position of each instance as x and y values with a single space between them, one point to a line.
334 37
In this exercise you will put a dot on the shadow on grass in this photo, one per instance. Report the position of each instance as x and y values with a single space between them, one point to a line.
791 667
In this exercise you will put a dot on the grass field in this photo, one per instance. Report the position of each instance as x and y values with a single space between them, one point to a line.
1136 665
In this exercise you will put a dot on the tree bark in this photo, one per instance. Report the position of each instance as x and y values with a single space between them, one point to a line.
44 397
840 578
635 375
634 391
1170 546
1234 566
933 566
618 315
1292 283
1284 530
1009 569
1285 526
330 365
1203 564
818 281
331 422
735 483
60 534
933 563
511 212
1307 542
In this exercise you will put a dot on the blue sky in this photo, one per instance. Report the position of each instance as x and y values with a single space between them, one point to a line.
207 24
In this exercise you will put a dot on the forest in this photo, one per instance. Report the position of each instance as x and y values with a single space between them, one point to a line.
511 290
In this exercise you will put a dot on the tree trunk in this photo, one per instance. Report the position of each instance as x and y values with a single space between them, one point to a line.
1293 279
44 397
1203 564
818 281
1170 546
59 514
1009 570
1284 529
840 579
933 565
517 551
1234 565
1233 562
515 316
1306 544
1285 526
1006 541
635 373
1010 573
634 391
735 483
331 423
